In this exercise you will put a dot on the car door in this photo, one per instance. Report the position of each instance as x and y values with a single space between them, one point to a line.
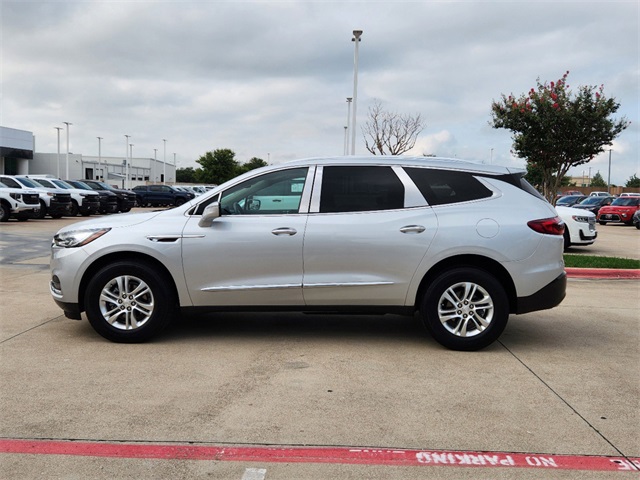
252 253
368 229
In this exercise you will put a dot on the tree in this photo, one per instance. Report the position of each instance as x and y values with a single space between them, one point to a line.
187 175
597 181
388 133
555 130
218 166
633 182
252 164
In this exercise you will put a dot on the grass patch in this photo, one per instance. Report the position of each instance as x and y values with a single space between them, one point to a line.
590 261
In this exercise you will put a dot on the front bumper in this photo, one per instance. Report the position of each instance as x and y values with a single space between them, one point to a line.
547 297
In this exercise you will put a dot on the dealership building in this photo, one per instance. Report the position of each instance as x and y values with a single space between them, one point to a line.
18 156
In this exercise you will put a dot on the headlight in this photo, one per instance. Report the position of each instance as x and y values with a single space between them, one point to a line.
579 218
78 238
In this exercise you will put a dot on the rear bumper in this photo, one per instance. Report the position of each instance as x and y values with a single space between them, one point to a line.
547 297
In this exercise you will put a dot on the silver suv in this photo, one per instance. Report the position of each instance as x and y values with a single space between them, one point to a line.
464 244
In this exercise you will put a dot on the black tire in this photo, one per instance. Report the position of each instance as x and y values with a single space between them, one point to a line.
56 216
73 211
43 210
151 309
602 223
22 217
567 239
5 212
179 201
483 309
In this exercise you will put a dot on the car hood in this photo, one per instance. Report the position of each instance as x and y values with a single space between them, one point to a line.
122 220
562 211
618 208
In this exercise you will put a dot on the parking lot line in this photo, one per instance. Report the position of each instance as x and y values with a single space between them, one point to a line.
335 455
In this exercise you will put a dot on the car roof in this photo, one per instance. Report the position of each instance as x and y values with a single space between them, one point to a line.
401 160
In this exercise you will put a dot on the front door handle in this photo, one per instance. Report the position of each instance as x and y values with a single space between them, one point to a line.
413 229
284 231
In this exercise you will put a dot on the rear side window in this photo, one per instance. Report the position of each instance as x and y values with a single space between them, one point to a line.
360 189
440 187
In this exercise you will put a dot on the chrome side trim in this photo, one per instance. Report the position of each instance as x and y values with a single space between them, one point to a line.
228 288
345 284
171 238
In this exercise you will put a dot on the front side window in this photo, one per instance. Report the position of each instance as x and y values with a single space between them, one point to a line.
440 187
275 193
360 189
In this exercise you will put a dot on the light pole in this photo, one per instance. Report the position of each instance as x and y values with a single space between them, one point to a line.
58 128
175 171
356 39
164 163
128 170
346 128
67 170
491 157
126 156
609 177
99 155
155 160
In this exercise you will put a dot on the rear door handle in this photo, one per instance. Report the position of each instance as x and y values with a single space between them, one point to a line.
284 231
413 229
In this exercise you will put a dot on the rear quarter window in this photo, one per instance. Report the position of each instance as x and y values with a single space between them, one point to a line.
441 187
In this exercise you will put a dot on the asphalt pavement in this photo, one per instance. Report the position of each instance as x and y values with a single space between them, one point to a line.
283 396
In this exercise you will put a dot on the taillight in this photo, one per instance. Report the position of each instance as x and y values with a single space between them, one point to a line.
548 226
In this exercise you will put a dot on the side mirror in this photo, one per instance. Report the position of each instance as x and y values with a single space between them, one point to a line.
211 212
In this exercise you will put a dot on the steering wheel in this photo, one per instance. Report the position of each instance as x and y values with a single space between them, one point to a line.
237 209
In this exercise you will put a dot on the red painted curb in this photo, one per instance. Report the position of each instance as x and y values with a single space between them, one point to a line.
335 455
611 273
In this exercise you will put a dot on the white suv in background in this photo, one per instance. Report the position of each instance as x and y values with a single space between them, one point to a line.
580 226
464 244
19 203
84 202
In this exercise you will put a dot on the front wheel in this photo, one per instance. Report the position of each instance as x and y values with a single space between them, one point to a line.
465 309
129 302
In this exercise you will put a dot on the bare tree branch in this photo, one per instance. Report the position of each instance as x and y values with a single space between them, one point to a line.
390 133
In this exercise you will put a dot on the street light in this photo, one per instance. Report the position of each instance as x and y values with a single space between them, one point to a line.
58 128
175 171
346 128
99 155
126 156
155 160
609 177
128 171
67 124
356 40
164 163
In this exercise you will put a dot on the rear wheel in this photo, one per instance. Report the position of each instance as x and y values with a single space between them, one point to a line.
465 308
129 302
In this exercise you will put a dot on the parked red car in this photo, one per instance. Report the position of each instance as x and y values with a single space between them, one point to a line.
621 210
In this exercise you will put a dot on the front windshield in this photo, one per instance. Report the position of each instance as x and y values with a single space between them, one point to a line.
62 184
28 183
592 201
80 185
626 201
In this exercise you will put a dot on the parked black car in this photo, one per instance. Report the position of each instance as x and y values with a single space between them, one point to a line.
108 199
570 200
126 198
593 203
157 195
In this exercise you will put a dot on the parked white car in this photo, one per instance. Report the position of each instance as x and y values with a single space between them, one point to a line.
580 226
18 203
465 244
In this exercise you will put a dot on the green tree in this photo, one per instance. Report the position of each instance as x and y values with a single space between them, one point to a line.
555 130
535 176
633 182
252 164
187 175
598 181
218 166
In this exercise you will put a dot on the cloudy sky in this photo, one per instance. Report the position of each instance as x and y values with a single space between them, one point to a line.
270 78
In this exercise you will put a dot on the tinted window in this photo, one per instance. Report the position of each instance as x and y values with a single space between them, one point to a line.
10 182
440 187
360 189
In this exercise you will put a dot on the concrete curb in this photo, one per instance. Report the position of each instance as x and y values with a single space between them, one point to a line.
608 273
